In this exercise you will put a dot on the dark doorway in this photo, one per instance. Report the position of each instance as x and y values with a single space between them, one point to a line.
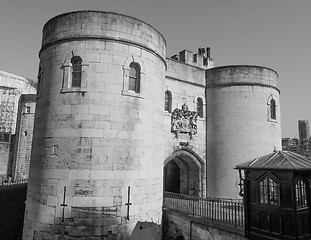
172 177
182 174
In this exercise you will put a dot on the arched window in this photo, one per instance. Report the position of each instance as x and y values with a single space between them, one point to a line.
134 77
269 191
200 107
168 101
272 109
301 195
76 63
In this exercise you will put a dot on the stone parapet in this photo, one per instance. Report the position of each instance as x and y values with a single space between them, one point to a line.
184 73
105 26
241 75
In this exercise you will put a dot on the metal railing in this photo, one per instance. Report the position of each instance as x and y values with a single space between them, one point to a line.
10 183
224 210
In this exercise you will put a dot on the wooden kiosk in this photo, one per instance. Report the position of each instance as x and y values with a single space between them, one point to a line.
276 191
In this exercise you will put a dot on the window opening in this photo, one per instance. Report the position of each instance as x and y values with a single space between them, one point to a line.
301 196
168 101
200 107
5 137
76 62
134 77
39 80
27 110
269 192
272 109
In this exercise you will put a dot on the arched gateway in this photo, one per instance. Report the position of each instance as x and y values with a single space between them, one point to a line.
184 173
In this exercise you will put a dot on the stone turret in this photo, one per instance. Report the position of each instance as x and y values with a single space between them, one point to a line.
96 166
243 121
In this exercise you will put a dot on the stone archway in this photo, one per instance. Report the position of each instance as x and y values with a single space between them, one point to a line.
172 177
183 173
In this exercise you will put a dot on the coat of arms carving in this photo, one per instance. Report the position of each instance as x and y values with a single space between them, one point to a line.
184 121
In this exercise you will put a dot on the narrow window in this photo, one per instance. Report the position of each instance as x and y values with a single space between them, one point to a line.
39 79
76 62
168 101
272 109
39 84
200 107
273 192
27 110
134 77
55 150
5 137
269 192
301 196
263 191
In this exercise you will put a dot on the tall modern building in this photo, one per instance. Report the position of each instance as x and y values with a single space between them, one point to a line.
303 129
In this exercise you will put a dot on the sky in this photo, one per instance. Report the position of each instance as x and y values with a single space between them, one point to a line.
270 33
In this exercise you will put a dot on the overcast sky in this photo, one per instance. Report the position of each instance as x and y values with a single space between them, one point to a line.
269 33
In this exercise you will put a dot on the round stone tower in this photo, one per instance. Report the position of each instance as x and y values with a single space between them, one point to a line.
243 122
96 166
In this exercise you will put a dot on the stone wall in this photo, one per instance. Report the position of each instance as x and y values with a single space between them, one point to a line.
239 127
4 159
97 148
180 226
23 137
186 83
11 88
100 148
16 85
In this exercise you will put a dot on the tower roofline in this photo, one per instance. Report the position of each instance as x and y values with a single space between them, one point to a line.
248 66
106 12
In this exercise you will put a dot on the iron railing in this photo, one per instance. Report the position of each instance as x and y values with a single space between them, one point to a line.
10 183
224 210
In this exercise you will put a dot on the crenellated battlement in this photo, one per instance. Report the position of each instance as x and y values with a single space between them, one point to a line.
201 59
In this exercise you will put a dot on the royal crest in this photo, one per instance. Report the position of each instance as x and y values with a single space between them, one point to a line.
184 121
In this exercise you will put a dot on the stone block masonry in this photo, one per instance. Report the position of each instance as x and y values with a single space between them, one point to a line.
180 226
11 89
4 159
24 135
117 123
96 160
239 126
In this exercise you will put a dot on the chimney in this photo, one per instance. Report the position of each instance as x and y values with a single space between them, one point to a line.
208 52
201 51
186 56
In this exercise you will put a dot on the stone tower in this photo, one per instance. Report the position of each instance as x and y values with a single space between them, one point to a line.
11 89
242 121
23 136
96 166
